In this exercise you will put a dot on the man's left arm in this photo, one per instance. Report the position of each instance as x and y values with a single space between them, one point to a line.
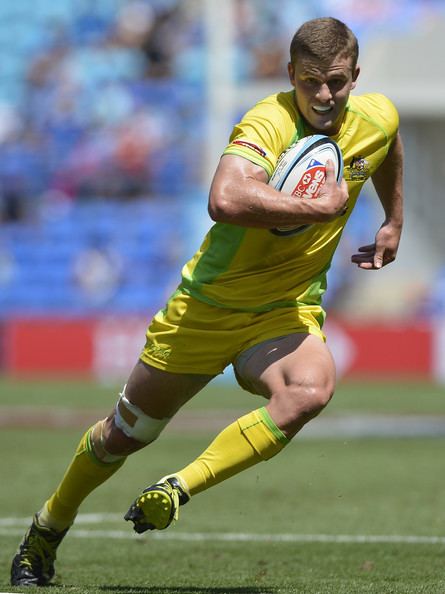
388 183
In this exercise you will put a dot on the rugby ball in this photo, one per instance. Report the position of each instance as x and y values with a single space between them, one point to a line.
301 171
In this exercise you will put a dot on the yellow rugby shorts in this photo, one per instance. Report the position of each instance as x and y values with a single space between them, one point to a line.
190 336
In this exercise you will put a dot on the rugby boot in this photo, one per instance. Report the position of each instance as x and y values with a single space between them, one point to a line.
158 505
33 564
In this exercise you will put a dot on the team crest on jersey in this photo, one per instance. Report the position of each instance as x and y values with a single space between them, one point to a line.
310 182
158 351
358 170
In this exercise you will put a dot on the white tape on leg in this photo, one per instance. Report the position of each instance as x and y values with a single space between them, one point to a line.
135 423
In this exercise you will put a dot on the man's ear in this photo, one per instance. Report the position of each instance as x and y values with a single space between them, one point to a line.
355 77
291 72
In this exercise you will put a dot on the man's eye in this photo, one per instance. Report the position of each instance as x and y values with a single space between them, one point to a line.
336 82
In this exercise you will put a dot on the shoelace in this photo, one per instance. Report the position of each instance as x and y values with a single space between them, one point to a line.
33 552
175 496
37 549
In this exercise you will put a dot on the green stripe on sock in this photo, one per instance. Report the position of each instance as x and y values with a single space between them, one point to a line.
269 422
91 453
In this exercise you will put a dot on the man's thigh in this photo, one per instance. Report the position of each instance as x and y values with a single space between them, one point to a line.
295 359
160 393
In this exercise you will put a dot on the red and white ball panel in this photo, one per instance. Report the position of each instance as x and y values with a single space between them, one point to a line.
301 170
304 162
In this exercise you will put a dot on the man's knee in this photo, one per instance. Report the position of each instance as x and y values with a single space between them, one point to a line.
135 423
311 399
296 404
109 443
126 430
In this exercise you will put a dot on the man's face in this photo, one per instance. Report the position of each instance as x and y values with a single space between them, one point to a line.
322 91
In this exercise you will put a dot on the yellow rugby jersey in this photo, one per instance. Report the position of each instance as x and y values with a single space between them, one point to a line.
255 270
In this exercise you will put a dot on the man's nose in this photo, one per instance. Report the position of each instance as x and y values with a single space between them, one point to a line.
324 93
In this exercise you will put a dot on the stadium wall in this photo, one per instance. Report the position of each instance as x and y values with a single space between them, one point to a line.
107 347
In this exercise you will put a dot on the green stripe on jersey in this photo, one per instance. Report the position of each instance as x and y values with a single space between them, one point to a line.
215 262
371 121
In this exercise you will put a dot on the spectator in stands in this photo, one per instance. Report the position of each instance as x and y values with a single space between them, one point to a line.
97 272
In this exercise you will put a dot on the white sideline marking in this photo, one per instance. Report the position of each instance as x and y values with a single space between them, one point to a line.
14 527
81 519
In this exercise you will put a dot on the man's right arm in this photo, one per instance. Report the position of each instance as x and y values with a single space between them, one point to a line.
240 195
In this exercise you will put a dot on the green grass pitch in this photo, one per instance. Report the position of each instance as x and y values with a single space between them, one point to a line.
339 514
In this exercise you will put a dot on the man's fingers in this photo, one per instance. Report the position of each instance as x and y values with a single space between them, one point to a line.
378 259
343 185
359 259
372 256
367 248
330 171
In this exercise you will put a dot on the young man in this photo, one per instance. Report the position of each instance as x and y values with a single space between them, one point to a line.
248 297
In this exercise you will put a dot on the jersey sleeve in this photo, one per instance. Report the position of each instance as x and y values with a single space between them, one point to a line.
385 115
264 132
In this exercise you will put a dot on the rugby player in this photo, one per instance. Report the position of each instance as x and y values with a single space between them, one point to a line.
248 297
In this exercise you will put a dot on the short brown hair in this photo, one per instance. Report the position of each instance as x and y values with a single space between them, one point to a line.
324 39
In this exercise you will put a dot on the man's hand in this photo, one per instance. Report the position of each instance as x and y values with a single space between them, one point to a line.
376 255
332 199
388 182
240 195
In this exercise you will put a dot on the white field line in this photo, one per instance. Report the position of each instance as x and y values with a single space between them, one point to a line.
345 425
14 527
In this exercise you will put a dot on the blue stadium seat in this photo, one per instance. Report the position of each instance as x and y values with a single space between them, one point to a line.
45 255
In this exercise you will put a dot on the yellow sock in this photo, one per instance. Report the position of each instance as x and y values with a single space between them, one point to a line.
83 475
249 440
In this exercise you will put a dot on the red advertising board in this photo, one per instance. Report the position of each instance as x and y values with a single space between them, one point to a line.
379 349
48 346
108 347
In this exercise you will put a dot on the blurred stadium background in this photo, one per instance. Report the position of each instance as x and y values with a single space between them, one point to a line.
113 114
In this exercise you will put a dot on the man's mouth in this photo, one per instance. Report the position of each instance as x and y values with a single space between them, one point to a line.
322 108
